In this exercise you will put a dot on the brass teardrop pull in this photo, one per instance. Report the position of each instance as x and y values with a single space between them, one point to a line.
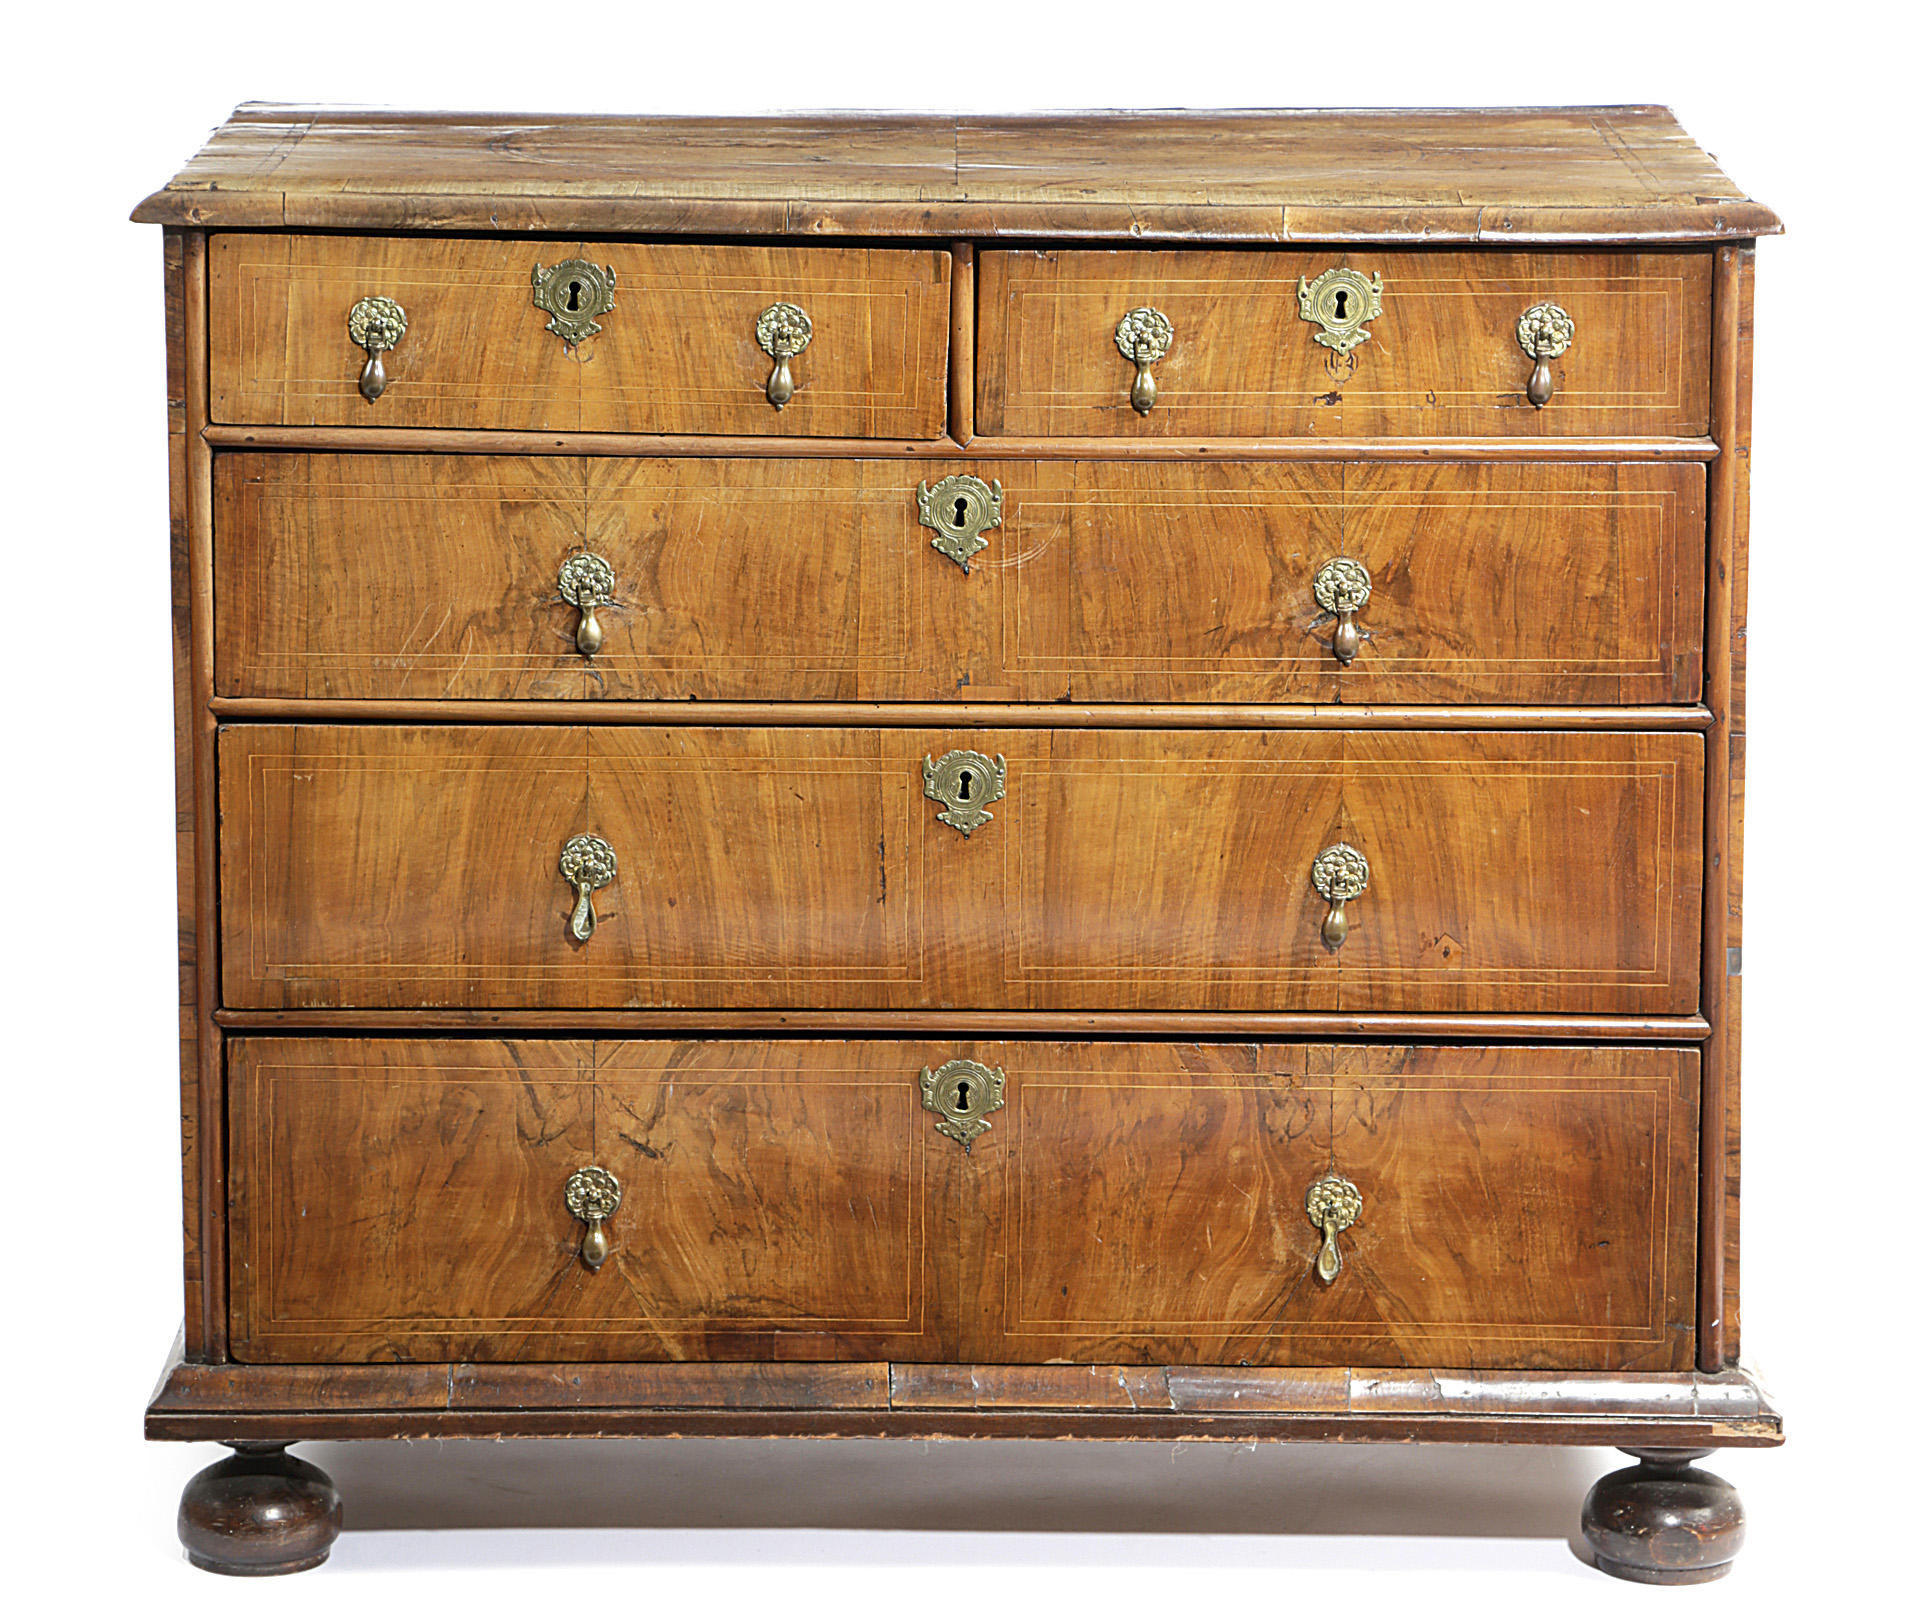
586 864
593 1195
1339 875
1333 1206
1144 335
1342 587
1545 332
376 324
783 333
586 583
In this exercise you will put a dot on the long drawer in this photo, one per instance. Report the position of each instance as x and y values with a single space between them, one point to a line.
396 577
1429 345
479 342
1124 1203
1022 868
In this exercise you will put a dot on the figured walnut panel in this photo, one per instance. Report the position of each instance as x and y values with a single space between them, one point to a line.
1442 359
403 1201
1158 582
677 353
400 1200
391 866
804 868
394 577
1522 1208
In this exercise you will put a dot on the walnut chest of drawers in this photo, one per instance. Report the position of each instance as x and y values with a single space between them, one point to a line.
905 775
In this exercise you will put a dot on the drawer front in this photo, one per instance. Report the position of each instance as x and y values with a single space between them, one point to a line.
1514 1208
677 353
1441 359
407 1200
1517 1208
774 868
408 576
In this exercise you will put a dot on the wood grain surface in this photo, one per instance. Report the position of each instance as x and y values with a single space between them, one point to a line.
804 868
401 1200
1569 1408
1553 174
405 1199
188 714
677 353
392 577
1442 358
1522 1207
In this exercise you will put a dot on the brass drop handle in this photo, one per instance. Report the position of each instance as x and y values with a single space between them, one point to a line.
586 583
593 1195
1342 587
1144 335
1333 1206
1545 332
783 333
962 1093
586 864
376 324
1339 875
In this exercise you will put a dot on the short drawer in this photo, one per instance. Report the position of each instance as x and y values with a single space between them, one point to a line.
1442 357
486 345
437 576
1457 1207
395 867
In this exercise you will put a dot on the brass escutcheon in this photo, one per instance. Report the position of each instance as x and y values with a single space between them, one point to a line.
1342 587
961 1093
965 781
959 509
593 1195
1340 302
1544 332
1339 875
586 583
376 324
572 293
1333 1206
783 333
1144 335
586 864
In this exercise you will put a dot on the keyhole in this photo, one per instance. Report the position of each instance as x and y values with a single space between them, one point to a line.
966 784
960 1095
573 296
1339 305
960 511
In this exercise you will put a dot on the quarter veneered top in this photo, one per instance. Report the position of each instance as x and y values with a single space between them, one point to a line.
1627 174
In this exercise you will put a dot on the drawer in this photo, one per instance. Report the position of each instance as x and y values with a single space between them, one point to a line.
1441 359
395 867
678 352
1125 1203
429 576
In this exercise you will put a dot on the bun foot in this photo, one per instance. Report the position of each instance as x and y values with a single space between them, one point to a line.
1664 1521
259 1513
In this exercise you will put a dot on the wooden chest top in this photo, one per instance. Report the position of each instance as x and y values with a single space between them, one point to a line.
1628 174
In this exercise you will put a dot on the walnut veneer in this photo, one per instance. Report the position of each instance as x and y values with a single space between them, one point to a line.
1352 497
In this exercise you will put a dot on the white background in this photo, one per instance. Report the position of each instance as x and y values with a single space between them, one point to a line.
1808 107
